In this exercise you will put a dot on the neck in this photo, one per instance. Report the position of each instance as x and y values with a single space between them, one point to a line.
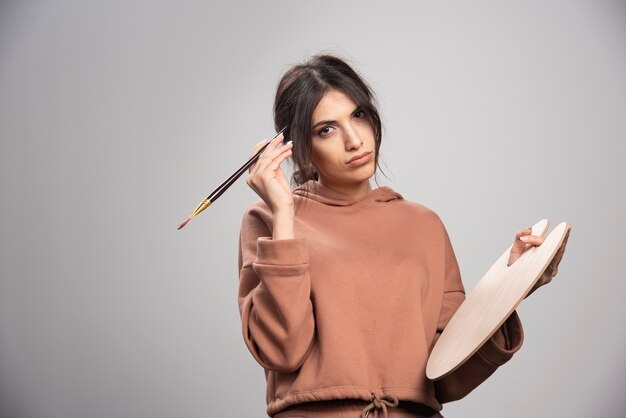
356 190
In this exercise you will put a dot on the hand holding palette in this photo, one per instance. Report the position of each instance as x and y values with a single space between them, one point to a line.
491 302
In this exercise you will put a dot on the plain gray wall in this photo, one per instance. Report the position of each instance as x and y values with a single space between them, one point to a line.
118 117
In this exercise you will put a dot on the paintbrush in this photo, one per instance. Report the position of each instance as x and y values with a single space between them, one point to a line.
229 181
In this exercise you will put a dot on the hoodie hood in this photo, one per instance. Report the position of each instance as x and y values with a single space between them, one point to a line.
314 190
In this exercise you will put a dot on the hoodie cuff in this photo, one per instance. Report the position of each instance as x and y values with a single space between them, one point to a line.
283 252
498 350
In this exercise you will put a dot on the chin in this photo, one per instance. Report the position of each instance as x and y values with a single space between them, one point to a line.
365 176
371 170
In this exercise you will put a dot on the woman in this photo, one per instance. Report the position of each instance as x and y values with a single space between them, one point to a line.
344 289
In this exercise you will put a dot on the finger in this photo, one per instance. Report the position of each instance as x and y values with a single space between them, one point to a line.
272 145
275 172
256 149
519 244
282 179
531 239
276 162
278 148
282 176
267 153
264 163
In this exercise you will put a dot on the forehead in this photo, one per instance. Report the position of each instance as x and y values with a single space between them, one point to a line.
332 105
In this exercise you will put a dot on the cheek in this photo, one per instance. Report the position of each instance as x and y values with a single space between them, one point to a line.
317 160
314 156
368 132
320 156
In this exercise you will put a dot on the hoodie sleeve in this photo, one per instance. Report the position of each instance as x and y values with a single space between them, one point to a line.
274 295
496 351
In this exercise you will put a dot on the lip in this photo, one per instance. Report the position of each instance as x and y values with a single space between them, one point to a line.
360 159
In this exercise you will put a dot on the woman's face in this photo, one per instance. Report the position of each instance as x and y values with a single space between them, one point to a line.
340 132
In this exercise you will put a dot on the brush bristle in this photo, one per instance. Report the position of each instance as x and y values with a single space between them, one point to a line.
184 223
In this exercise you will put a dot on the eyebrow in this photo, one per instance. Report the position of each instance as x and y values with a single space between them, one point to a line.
324 122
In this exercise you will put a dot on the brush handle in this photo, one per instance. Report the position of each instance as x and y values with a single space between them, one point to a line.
229 181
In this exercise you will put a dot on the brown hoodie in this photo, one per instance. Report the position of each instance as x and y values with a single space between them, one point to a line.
352 306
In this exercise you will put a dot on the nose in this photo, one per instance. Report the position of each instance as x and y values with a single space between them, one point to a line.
352 138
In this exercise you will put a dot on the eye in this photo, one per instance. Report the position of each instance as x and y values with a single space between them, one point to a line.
359 114
324 131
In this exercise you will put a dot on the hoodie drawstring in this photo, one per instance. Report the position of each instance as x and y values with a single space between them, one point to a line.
380 402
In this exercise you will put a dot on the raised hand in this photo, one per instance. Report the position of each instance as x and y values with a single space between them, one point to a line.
266 177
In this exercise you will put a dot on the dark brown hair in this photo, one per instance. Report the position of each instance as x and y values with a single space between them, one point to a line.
298 93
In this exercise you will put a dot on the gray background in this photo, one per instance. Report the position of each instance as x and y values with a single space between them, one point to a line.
118 117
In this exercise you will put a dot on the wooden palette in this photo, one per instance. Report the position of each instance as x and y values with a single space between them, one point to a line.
491 302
